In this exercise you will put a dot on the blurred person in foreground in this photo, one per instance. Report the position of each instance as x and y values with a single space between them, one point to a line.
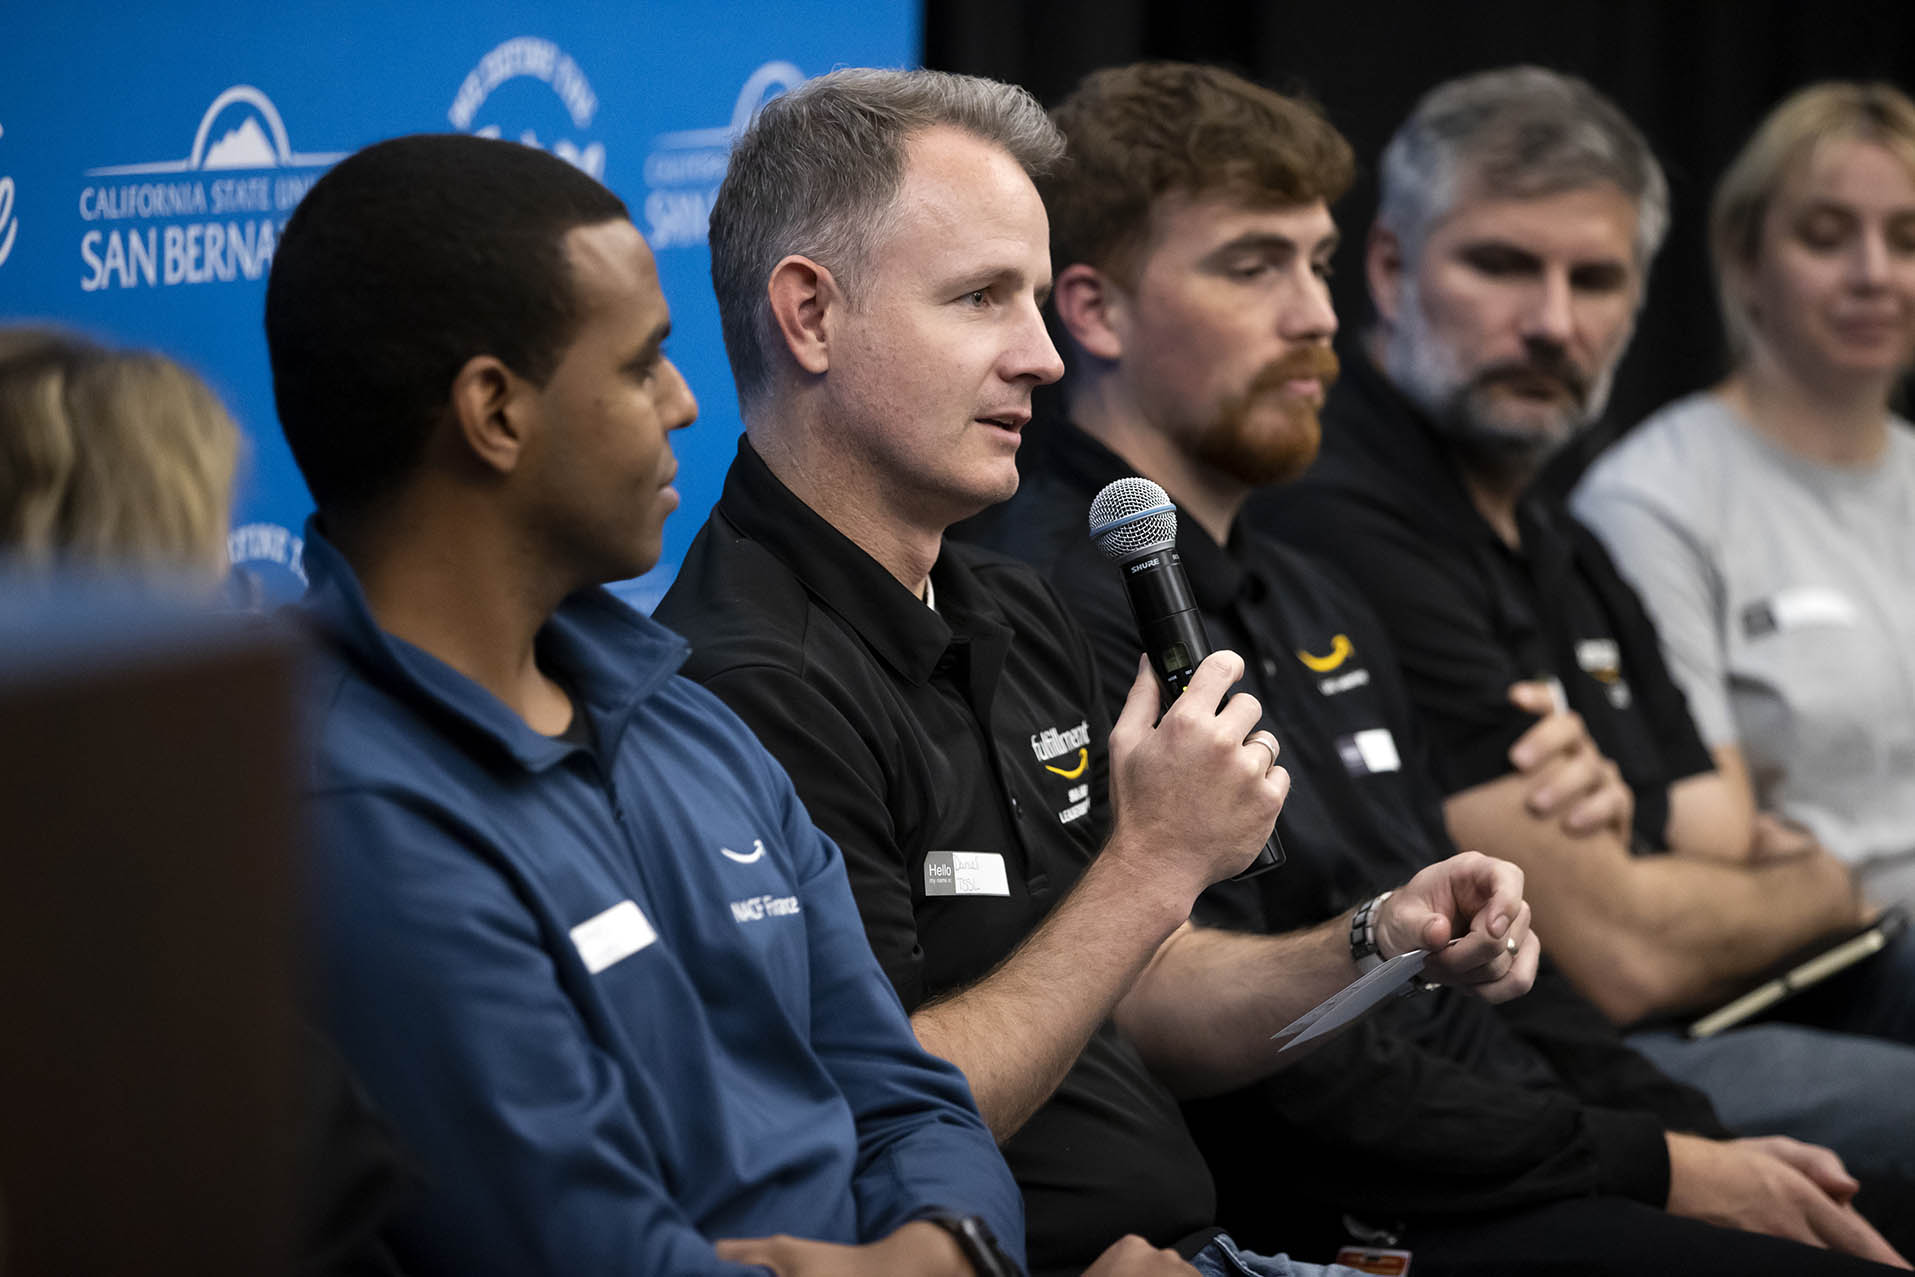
1769 521
1192 236
111 460
1520 211
571 924
1025 867
118 465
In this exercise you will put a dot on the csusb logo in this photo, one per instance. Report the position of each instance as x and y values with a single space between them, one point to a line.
684 169
529 57
172 225
254 547
9 224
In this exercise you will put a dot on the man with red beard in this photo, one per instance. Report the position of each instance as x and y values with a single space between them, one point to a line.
1191 235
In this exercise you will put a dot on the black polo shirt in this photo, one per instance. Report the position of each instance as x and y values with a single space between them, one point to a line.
1468 615
1533 1102
957 756
1315 657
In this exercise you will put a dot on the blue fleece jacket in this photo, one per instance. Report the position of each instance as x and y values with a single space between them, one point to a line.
617 1000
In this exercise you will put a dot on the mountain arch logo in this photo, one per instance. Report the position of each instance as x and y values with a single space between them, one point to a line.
685 166
213 216
257 141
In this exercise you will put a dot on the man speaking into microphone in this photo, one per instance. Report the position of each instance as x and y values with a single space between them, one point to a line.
880 257
1192 237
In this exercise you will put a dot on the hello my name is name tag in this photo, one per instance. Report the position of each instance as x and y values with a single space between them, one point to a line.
965 873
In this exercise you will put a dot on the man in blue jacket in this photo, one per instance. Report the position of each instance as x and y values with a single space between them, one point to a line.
573 928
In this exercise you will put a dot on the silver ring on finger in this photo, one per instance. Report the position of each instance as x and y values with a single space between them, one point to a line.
1261 737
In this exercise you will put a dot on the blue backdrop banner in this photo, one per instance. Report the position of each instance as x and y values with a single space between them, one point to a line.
150 156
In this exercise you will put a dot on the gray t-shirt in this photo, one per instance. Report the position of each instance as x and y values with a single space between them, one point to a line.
1784 591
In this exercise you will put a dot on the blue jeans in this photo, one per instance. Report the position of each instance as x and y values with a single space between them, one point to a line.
1832 1067
1221 1258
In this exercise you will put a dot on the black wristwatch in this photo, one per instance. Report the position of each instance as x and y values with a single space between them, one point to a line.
979 1244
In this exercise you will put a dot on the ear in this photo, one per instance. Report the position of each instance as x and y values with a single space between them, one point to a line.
1383 266
1738 286
1091 307
804 301
489 410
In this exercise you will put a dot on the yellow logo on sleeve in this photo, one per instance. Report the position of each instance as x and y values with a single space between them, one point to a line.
1341 650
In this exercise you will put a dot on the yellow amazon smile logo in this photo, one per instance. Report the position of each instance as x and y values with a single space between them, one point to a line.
1051 744
1341 649
1083 761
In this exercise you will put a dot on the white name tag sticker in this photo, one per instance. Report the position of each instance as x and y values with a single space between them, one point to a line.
1378 748
965 873
612 936
1812 605
1600 658
1803 607
1369 753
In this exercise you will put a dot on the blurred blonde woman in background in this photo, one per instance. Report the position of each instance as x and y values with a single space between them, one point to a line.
112 459
1769 521
121 462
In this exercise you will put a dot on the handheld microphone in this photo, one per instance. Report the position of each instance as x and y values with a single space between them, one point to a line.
1134 525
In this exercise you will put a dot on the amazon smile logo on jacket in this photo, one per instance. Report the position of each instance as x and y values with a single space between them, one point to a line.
752 857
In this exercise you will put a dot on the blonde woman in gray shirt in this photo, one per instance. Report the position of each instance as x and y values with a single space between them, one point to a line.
1769 522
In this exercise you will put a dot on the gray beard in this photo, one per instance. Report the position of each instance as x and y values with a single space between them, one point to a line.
1422 365
1504 455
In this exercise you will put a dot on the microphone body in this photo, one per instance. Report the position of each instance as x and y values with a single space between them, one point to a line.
1167 617
1134 524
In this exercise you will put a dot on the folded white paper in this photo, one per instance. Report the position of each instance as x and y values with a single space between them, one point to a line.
1343 1007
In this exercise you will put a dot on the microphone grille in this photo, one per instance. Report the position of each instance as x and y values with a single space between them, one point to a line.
1131 516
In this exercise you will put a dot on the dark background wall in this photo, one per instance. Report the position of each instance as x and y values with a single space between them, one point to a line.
1695 75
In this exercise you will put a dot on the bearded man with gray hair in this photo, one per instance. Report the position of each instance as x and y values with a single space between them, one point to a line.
1519 214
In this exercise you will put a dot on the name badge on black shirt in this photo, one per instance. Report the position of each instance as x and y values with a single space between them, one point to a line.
965 873
1369 753
1601 659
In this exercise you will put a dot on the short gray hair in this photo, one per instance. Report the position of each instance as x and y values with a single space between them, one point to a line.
1517 133
818 173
